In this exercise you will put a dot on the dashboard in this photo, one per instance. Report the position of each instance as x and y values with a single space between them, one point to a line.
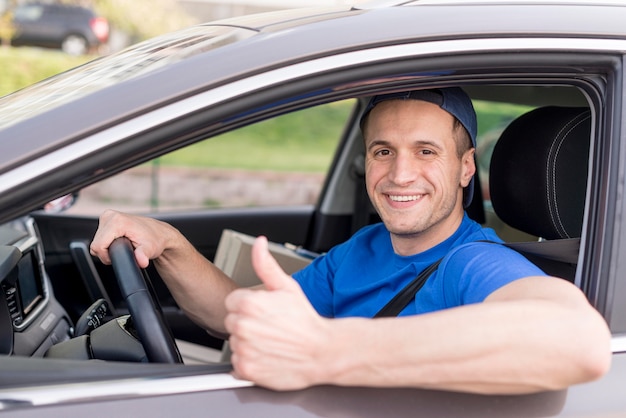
31 320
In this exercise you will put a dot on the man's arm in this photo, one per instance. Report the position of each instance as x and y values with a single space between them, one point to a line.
533 334
197 285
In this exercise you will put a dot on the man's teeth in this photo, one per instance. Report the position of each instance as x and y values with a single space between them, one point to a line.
404 198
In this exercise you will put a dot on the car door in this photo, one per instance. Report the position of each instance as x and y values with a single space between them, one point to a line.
201 196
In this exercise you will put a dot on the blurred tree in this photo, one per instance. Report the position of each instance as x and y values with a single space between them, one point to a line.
7 29
142 19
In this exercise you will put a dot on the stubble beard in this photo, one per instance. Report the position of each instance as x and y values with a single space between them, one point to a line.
429 228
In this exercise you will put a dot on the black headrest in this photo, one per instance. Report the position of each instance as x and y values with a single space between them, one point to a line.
538 172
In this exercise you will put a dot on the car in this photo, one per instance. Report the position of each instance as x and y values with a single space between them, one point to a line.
546 78
76 30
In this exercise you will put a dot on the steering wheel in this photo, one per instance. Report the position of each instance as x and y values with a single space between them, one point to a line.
147 316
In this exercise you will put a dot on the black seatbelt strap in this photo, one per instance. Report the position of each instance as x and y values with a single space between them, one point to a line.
400 300
564 250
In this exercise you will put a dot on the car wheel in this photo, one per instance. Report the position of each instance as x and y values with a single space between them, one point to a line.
75 45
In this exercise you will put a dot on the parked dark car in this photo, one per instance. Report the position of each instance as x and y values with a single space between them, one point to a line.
75 30
551 72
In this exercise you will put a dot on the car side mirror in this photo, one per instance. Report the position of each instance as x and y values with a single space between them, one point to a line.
61 204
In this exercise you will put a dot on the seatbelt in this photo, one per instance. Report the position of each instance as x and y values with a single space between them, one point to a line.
407 294
561 250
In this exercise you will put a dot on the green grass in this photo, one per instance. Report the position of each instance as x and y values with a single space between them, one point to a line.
492 116
300 141
21 67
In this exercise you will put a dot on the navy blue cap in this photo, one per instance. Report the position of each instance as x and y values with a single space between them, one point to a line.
451 99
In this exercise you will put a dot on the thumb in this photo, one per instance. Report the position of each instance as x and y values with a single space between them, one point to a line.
267 268
142 259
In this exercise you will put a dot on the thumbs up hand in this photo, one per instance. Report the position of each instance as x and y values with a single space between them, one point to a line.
268 269
277 338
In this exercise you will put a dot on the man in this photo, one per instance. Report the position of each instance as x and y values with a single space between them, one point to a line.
486 321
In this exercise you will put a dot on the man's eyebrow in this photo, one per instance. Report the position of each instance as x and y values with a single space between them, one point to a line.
378 142
428 143
417 143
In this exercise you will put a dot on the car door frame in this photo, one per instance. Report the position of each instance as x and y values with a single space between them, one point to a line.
472 60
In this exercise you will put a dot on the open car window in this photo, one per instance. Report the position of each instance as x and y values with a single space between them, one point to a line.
277 162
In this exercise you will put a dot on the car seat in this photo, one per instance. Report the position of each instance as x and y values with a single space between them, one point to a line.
538 182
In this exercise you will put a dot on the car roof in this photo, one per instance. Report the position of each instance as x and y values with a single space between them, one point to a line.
329 30
391 3
324 31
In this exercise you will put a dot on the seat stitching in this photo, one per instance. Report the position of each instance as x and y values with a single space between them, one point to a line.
553 209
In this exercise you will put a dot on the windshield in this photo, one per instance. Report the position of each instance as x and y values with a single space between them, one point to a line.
132 62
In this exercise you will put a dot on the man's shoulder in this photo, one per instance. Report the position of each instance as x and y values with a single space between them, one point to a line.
485 254
470 232
475 241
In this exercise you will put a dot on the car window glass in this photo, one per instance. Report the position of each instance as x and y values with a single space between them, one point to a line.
28 12
280 161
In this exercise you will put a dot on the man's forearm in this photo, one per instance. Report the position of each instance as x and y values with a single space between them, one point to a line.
533 334
196 284
501 347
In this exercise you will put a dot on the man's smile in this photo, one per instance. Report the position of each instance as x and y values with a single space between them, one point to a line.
404 198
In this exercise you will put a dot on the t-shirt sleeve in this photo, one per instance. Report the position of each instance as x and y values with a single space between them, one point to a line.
316 281
474 271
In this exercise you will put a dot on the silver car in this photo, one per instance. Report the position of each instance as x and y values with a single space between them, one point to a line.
540 73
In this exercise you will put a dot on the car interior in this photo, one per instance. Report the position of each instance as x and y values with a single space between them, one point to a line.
61 303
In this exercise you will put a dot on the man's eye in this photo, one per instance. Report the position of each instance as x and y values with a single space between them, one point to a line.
382 152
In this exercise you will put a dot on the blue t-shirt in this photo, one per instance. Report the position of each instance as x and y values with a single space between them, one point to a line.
359 277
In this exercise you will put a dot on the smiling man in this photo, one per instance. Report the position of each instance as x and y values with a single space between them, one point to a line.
419 169
486 320
415 177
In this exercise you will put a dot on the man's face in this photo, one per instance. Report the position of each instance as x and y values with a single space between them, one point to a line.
413 173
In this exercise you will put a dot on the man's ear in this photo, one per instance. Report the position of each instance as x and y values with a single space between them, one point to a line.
468 166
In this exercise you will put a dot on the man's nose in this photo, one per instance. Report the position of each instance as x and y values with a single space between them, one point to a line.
403 170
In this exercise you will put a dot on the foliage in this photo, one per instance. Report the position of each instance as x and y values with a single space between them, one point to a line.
494 116
300 141
7 29
143 19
